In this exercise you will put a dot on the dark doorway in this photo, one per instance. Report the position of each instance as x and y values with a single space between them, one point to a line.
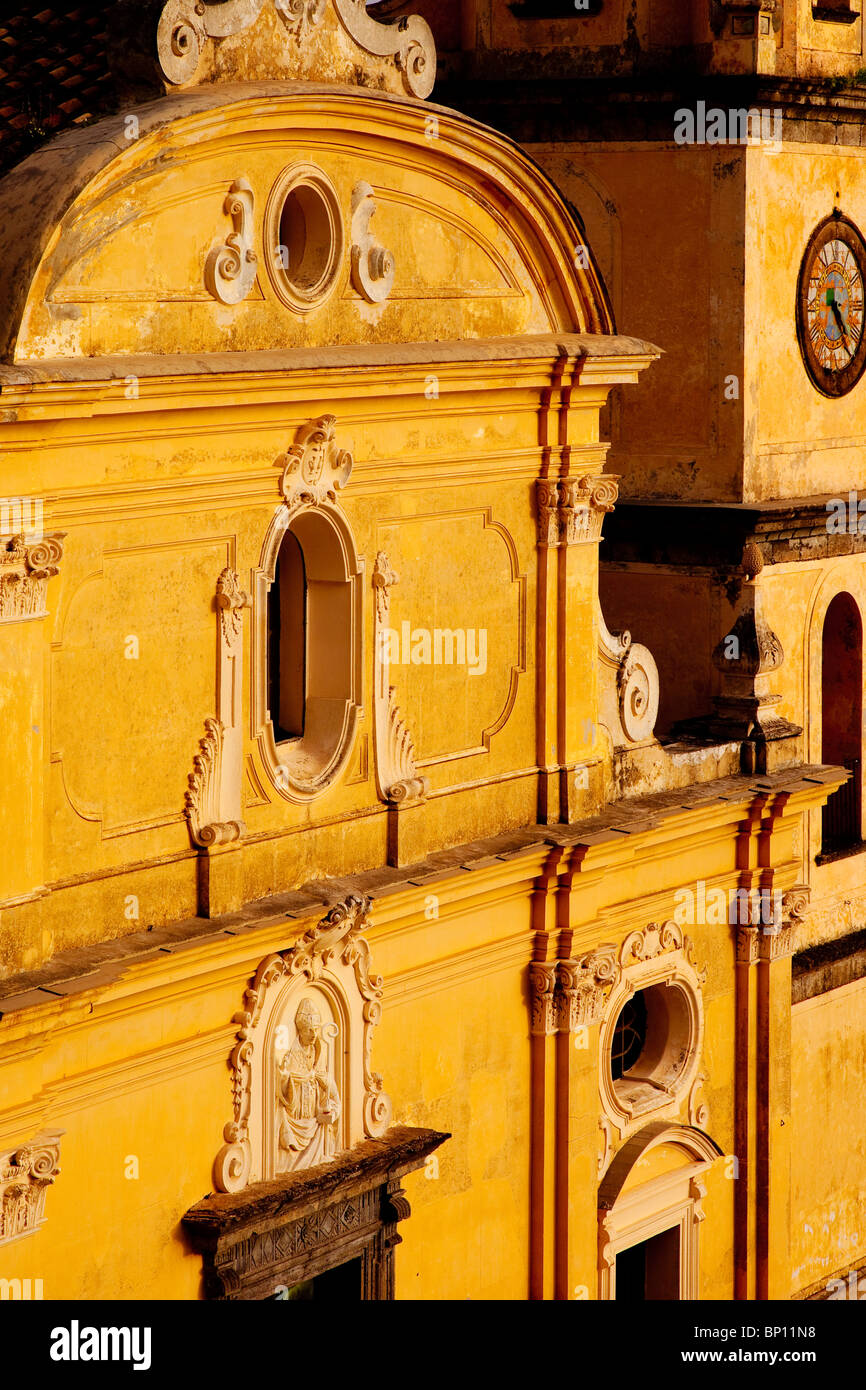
650 1272
340 1285
842 716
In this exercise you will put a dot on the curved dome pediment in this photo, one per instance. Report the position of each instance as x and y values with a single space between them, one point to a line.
206 231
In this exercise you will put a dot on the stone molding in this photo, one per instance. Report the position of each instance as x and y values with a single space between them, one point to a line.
256 1245
315 469
327 971
571 511
660 954
26 1173
25 568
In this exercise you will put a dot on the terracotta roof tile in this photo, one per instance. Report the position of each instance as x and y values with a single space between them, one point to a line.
46 51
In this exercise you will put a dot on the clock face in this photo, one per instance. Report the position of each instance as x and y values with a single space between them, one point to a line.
830 306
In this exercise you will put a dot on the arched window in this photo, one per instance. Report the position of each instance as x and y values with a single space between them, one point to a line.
287 642
308 630
842 720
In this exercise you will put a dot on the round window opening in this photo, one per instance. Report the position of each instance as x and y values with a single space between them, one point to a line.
651 1046
629 1036
306 230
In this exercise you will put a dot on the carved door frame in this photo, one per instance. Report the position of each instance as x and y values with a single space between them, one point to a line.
273 1235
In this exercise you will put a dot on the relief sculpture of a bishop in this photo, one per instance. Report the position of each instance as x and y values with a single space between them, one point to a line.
309 1102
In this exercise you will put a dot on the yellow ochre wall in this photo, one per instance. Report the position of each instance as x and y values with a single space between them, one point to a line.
828 1040
136 1074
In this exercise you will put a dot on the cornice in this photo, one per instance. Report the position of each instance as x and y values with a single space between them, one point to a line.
709 534
639 108
135 967
268 371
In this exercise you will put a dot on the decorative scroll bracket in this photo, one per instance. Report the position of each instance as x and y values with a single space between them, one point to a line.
399 782
314 40
373 268
213 799
230 269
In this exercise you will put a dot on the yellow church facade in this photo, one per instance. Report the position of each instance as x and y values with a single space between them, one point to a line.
359 934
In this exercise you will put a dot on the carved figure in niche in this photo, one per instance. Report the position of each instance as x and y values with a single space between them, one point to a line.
309 1101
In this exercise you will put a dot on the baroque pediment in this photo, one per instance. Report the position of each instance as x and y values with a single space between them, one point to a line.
193 42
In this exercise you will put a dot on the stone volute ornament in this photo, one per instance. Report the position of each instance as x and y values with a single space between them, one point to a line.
303 1086
230 269
25 568
629 688
26 1173
373 268
200 41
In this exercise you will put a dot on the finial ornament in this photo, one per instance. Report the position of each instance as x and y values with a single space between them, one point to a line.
199 41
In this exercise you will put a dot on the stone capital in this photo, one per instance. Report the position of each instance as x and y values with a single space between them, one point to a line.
570 511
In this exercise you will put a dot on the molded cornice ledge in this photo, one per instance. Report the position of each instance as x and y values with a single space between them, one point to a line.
601 357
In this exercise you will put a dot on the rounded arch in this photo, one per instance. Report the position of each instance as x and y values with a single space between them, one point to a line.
697 1148
307 659
649 1231
839 578
842 719
477 230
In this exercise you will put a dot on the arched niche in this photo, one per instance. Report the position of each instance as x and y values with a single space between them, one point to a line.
307 662
650 1209
303 1088
842 719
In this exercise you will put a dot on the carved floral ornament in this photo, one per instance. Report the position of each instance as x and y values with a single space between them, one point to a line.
303 1087
315 468
26 1173
306 35
25 568
571 511
774 941
567 995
